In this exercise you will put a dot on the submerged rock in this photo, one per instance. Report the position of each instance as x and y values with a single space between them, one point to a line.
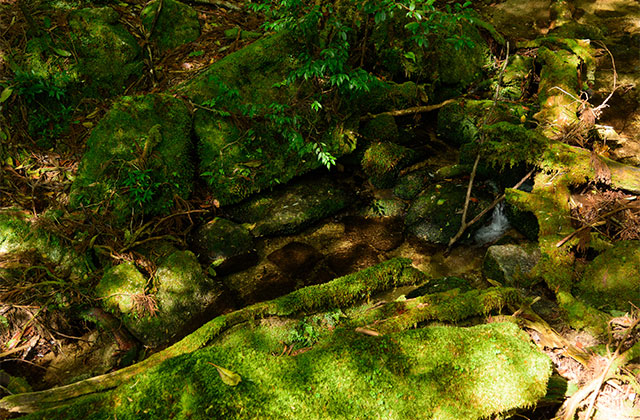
511 265
108 54
610 281
295 258
435 215
224 246
137 158
176 25
291 209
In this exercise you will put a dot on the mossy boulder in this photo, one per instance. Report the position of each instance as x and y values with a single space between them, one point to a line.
108 55
508 145
137 159
177 24
444 373
511 264
409 186
381 128
435 215
22 237
170 306
247 140
382 161
610 281
224 246
291 209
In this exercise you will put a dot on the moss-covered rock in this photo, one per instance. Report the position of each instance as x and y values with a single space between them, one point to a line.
409 186
439 285
247 138
444 373
435 215
176 25
291 209
611 279
137 159
511 265
382 128
224 246
181 293
119 288
20 236
108 54
382 162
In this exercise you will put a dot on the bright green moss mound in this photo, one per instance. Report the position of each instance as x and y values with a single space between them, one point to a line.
137 158
611 279
430 373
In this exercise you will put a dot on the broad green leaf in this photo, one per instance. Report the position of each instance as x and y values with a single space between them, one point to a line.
6 92
61 52
228 377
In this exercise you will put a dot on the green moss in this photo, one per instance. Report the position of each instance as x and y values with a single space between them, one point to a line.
381 128
237 161
382 162
441 372
19 235
610 280
434 215
292 209
559 71
117 171
118 287
517 76
507 145
458 122
176 25
409 186
109 55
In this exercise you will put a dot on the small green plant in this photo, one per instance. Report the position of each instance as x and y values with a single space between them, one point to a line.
140 186
48 101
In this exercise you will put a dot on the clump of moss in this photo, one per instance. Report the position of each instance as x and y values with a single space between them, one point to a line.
381 128
137 158
176 25
507 145
382 162
610 280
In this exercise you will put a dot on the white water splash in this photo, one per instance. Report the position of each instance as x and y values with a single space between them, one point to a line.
495 229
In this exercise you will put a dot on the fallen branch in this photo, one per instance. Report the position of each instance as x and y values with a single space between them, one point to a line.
409 111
